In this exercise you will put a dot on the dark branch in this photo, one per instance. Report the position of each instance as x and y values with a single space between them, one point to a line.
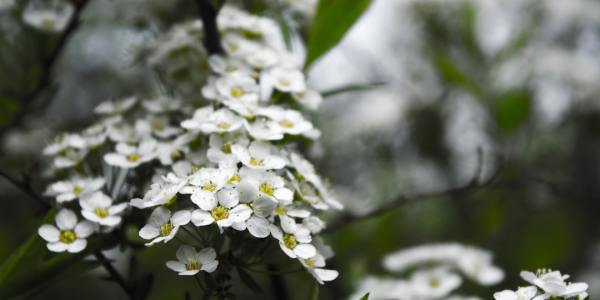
114 274
471 186
208 14
48 64
26 189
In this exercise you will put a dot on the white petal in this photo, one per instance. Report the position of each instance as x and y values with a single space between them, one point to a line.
49 233
176 266
283 194
228 197
204 199
258 227
77 246
305 250
159 217
185 253
201 218
240 213
110 221
273 162
325 274
118 208
211 266
189 273
207 255
84 229
181 218
66 219
57 247
259 150
506 295
148 232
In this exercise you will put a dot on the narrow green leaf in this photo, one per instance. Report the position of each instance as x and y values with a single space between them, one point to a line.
249 281
512 110
356 87
365 297
314 294
331 22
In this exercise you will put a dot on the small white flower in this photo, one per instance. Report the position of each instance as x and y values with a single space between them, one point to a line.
189 262
268 184
205 183
48 15
262 129
263 58
163 192
258 156
162 227
287 80
287 121
434 283
294 240
220 148
309 98
553 284
227 66
127 156
71 189
68 234
115 107
225 210
237 87
64 142
221 121
523 293
315 265
306 172
97 207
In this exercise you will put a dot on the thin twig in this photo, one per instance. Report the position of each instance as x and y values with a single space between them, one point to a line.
208 14
26 189
47 66
472 185
114 274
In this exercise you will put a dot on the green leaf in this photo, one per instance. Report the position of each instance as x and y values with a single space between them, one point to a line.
453 74
512 110
356 87
314 294
331 22
365 297
249 281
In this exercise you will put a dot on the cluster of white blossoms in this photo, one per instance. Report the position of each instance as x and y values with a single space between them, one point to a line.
434 272
232 163
546 284
48 15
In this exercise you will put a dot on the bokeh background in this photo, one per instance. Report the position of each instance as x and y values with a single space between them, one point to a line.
498 96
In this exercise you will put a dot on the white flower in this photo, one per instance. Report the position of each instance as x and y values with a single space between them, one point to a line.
162 227
220 148
263 58
97 207
225 210
228 65
64 142
68 234
315 265
162 104
309 98
221 121
306 171
268 184
258 156
287 121
287 80
71 189
115 107
48 15
434 283
205 183
553 284
294 240
165 191
237 87
262 129
127 156
523 293
189 262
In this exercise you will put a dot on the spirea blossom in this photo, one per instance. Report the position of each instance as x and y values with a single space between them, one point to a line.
546 284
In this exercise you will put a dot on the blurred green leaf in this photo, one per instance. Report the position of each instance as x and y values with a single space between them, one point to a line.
513 109
356 87
314 294
331 22
365 297
453 74
7 108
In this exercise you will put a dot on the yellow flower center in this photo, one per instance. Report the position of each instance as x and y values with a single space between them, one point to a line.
286 123
157 125
133 157
284 82
77 190
234 178
223 125
227 148
219 213
236 92
101 212
193 265
434 282
266 188
280 211
211 187
309 262
166 229
230 68
170 201
67 236
256 162
289 241
176 154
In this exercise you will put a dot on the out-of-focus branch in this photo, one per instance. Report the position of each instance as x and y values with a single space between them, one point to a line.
208 14
472 185
26 189
114 274
48 64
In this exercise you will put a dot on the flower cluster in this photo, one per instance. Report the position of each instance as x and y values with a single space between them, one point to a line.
232 163
434 272
546 284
